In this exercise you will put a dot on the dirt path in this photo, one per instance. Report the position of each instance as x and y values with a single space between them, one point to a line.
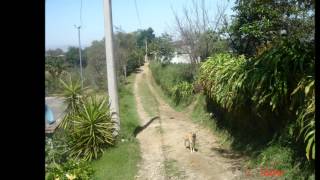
163 153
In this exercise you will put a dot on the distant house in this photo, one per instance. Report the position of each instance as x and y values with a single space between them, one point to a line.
181 58
182 55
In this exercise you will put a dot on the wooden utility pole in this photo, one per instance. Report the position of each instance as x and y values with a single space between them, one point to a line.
146 56
111 67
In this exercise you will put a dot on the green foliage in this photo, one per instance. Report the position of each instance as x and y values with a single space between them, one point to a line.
128 114
222 78
58 162
271 83
258 22
211 43
169 75
162 48
72 57
72 93
55 68
149 102
306 115
181 91
175 80
119 162
125 155
56 148
71 169
96 69
144 35
276 157
92 128
276 72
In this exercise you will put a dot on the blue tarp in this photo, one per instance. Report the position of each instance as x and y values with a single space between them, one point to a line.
49 116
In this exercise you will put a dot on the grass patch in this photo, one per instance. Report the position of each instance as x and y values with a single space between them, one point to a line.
278 157
149 102
120 161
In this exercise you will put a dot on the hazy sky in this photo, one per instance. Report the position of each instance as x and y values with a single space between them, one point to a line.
62 15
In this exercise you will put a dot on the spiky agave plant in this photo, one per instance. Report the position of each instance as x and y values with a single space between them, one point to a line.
92 128
73 94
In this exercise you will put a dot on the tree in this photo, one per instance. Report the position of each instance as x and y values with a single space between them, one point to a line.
258 22
55 66
162 47
96 63
54 52
144 35
125 46
72 57
197 32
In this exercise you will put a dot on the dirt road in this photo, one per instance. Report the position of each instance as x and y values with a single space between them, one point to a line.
163 153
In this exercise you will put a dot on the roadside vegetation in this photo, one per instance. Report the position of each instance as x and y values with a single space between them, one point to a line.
83 147
256 94
250 79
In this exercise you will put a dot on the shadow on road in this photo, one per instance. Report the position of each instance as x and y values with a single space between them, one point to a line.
141 128
226 153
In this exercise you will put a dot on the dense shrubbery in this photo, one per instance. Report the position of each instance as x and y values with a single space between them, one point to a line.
85 131
181 91
87 121
279 82
92 129
58 161
222 78
174 79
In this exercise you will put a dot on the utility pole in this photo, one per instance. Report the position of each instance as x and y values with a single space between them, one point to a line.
146 56
111 67
78 27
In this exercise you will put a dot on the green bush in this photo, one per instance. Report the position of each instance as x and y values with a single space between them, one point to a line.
181 91
282 79
92 129
174 80
58 162
71 169
222 78
277 86
73 94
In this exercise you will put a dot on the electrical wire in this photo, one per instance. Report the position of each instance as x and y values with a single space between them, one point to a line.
137 12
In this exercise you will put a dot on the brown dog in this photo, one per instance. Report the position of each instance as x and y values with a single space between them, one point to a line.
191 139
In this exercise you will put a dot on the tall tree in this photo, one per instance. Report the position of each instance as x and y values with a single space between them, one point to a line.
145 35
197 31
257 22
72 57
55 66
96 63
54 52
162 47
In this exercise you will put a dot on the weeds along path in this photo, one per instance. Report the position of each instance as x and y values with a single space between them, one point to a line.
163 153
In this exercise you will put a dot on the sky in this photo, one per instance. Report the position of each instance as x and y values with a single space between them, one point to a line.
62 15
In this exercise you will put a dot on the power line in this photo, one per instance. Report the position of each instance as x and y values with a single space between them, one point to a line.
137 12
80 12
80 49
